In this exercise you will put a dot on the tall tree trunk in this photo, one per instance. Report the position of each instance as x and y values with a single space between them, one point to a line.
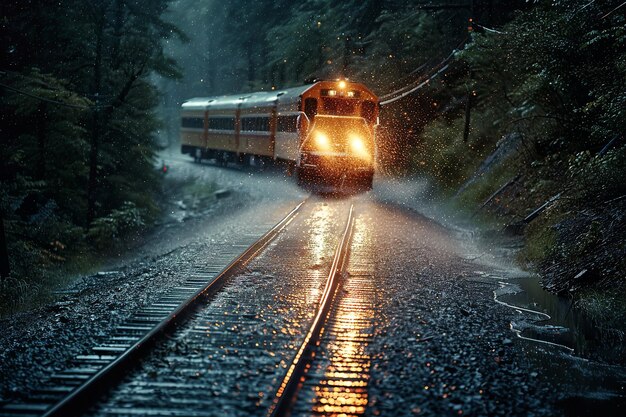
266 70
468 108
118 24
282 73
468 103
5 269
273 74
210 63
41 140
95 126
93 167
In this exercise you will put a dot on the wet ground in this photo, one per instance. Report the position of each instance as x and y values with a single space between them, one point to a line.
435 320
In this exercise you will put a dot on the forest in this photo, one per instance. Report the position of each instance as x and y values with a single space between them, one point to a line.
521 105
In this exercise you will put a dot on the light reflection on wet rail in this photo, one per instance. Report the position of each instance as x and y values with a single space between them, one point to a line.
344 360
343 387
287 388
337 375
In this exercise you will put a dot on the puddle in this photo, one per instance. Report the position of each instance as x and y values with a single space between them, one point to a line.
567 349
552 320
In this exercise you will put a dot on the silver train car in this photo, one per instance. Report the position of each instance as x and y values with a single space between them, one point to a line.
324 132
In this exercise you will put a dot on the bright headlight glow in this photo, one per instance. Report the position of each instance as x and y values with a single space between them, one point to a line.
357 145
342 84
321 140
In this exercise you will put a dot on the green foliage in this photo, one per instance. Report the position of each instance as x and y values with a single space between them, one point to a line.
553 74
104 232
598 178
281 43
540 243
607 310
16 292
77 112
443 154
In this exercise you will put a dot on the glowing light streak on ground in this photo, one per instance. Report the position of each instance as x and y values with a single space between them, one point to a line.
343 389
316 325
321 227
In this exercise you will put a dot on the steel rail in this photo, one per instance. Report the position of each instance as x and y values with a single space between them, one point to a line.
285 395
86 394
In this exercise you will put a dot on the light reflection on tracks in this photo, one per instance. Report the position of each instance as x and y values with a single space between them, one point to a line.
331 373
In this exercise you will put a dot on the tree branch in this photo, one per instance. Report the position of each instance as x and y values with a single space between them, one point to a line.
544 116
123 94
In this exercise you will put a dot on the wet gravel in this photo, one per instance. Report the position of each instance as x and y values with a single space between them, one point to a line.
441 346
36 344
231 357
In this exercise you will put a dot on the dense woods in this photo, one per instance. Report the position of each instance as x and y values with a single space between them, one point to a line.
548 117
78 128
540 83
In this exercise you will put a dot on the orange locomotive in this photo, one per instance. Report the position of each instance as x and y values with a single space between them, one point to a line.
325 131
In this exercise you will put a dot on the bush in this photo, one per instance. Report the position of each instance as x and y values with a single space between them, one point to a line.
118 224
599 178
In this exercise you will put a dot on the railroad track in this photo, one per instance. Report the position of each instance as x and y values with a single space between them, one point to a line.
330 373
250 347
285 395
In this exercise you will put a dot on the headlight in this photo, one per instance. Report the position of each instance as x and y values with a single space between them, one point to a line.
357 144
358 147
320 140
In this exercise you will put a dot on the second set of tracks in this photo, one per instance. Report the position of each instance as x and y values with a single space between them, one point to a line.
248 339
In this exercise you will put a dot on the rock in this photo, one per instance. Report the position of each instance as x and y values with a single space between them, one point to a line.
581 274
507 342
105 273
221 193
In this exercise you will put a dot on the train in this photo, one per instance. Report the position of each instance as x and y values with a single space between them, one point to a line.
323 132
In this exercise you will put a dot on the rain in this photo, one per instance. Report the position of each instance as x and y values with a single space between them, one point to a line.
356 208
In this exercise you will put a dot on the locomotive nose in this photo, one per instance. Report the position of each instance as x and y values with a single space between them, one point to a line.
343 144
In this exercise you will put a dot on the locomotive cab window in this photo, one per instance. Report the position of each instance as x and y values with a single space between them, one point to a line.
310 107
339 106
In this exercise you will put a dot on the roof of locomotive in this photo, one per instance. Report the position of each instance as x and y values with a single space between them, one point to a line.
257 99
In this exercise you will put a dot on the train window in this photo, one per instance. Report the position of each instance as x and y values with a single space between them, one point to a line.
222 123
255 124
287 123
193 122
339 107
310 107
368 111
